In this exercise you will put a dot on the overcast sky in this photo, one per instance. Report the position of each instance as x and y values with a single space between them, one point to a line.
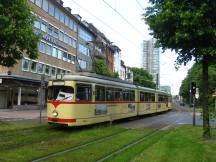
121 22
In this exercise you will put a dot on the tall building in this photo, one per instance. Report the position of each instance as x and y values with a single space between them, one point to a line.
151 59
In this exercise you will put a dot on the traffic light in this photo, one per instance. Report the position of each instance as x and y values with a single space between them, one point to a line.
193 88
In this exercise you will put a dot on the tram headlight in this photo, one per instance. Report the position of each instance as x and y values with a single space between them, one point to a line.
55 113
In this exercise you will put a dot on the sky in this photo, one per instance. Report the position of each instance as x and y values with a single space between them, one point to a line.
121 22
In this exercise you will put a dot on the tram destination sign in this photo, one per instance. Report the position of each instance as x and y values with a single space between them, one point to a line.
58 83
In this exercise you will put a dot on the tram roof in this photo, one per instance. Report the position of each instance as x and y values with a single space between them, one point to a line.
95 78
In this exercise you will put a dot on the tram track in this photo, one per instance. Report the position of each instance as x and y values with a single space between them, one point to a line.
70 149
109 155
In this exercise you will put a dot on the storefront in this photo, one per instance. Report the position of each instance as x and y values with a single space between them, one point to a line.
17 92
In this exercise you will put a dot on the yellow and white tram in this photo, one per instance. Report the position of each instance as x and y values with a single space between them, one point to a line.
83 99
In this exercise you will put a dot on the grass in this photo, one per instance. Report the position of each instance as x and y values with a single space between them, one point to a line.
24 142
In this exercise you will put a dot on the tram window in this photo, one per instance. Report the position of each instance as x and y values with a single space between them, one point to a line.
62 93
152 97
118 95
83 92
132 96
100 93
142 96
110 94
126 95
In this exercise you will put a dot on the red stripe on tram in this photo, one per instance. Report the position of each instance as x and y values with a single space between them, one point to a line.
61 120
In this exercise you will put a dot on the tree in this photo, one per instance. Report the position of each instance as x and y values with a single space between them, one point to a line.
142 77
101 68
16 32
189 28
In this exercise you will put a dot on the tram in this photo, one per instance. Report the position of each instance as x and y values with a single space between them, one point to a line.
83 99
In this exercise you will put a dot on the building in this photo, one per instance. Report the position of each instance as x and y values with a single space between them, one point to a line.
151 59
57 54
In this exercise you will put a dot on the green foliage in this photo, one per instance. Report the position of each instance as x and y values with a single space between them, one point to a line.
16 32
142 77
195 73
102 69
184 26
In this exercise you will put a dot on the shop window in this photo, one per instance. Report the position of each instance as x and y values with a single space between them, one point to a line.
47 70
40 68
51 9
83 92
38 3
33 67
42 47
43 26
53 71
25 65
54 52
45 5
99 93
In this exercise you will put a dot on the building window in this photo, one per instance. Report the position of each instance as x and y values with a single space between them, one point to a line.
73 59
58 71
25 65
84 50
40 68
61 16
71 24
69 58
64 56
36 23
33 66
57 13
43 26
38 2
55 32
54 52
47 70
53 71
75 27
61 36
45 5
48 49
72 42
83 64
59 54
66 39
50 29
51 9
66 21
42 47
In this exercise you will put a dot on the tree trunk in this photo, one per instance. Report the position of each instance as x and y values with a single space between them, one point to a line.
206 125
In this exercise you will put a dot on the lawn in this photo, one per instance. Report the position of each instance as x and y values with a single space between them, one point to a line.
20 142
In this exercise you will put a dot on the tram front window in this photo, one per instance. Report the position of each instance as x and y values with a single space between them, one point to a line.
60 93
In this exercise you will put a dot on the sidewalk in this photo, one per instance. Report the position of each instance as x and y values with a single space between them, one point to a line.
24 114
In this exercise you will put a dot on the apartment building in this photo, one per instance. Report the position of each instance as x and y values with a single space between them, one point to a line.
58 28
151 59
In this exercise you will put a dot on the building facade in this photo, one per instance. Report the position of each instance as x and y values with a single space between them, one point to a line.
57 48
151 59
